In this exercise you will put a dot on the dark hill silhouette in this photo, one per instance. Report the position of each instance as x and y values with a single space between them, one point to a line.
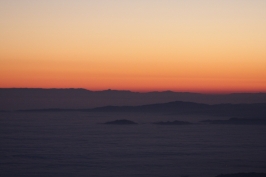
121 122
28 98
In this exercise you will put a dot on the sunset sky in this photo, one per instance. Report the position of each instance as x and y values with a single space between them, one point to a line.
140 45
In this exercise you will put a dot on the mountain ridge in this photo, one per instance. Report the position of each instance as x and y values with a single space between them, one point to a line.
255 110
78 98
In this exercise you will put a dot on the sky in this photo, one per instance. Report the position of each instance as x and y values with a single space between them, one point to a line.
201 46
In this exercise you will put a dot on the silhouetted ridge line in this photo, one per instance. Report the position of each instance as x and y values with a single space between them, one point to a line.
180 107
78 98
159 107
257 110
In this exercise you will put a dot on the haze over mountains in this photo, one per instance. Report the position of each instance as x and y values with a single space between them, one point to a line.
27 98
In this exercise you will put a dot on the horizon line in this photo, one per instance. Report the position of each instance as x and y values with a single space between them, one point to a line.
141 91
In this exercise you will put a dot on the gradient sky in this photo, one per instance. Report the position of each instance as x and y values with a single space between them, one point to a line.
139 45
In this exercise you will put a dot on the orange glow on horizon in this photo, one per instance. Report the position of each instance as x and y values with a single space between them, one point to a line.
197 46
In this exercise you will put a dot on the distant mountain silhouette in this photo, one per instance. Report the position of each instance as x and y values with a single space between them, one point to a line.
256 110
180 107
176 122
28 98
121 122
237 121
